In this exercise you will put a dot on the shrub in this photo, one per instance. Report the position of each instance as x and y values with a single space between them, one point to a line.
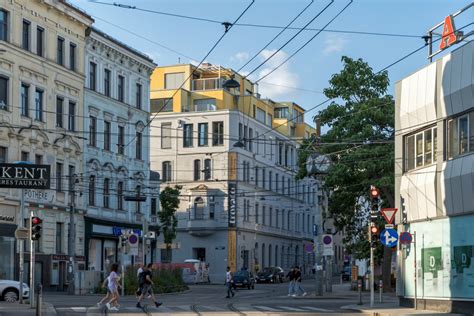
165 280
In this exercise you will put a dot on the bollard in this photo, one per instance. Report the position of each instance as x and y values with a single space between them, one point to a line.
380 291
359 287
39 299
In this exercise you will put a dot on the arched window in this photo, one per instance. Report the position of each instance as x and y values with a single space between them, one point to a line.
198 208
207 169
197 170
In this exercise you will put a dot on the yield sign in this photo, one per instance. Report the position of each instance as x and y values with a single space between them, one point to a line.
389 214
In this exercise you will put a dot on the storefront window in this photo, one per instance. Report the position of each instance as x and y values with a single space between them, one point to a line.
94 254
109 253
7 245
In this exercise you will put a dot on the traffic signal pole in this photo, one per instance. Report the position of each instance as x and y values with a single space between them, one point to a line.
32 264
21 246
72 237
371 269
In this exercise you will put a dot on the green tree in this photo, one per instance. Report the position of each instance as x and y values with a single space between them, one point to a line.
359 142
169 199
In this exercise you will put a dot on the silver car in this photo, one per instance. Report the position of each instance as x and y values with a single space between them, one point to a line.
9 291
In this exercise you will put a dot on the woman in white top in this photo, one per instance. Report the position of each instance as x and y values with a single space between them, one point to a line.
112 286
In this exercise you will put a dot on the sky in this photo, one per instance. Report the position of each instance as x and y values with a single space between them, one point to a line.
188 41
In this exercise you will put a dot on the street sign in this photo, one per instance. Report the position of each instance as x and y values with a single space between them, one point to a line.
388 226
406 238
327 245
22 233
309 247
389 214
133 243
389 237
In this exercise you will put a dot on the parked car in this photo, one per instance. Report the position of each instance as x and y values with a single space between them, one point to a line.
346 273
9 291
244 279
271 275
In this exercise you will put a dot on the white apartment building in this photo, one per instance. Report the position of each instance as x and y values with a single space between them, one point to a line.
116 157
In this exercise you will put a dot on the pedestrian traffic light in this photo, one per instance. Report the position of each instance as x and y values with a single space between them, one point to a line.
374 203
404 212
36 228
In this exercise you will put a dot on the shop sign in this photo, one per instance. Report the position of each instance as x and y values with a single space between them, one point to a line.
39 196
25 176
431 260
232 204
59 257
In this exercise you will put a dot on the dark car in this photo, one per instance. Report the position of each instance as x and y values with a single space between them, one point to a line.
244 279
346 273
271 275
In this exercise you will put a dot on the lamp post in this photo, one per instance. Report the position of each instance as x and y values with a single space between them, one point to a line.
72 235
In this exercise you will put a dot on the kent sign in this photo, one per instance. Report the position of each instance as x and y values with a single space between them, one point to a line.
25 176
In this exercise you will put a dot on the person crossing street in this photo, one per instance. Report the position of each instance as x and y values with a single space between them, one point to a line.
146 283
228 282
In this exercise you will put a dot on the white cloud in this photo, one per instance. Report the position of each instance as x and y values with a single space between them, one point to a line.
282 78
240 57
334 44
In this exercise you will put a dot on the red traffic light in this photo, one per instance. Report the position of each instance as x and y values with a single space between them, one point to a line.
374 230
374 192
36 220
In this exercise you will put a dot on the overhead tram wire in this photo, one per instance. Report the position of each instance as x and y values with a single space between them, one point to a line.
227 26
306 43
290 40
276 36
207 20
383 69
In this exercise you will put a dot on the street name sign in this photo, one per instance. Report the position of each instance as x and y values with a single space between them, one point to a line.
389 237
389 214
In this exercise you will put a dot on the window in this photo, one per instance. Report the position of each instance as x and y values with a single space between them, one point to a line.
39 41
420 149
264 215
3 92
264 182
138 149
25 90
212 207
59 237
270 218
39 105
204 105
71 172
246 136
120 195
72 116
269 119
153 207
197 170
277 218
207 169
26 35
72 56
138 96
161 105
3 154
121 88
59 112
166 171
202 134
174 80
60 51
38 159
217 133
107 135
3 25
107 82
256 213
461 135
106 192
166 135
92 76
277 180
281 113
59 175
121 140
250 140
92 190
24 156
270 180
188 135
93 131
261 115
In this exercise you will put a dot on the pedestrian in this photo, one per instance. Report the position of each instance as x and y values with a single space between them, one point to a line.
229 280
108 295
139 271
112 286
298 287
146 284
291 278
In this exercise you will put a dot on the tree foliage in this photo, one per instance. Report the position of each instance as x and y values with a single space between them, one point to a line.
169 199
359 142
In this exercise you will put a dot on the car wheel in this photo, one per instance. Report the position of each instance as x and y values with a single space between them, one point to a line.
10 295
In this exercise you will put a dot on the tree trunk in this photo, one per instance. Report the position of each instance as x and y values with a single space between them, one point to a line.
386 269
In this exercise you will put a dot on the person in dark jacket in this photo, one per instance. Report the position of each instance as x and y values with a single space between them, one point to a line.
291 278
298 287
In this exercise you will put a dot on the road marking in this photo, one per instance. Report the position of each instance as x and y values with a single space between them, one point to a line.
266 308
317 309
79 309
291 309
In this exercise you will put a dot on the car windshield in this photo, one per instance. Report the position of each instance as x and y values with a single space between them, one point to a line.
241 274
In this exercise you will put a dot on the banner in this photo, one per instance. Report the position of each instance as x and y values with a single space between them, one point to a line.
232 204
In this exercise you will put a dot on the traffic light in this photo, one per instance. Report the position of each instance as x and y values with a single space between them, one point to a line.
374 203
404 212
36 228
374 235
123 240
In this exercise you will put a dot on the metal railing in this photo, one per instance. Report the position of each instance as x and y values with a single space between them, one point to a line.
206 84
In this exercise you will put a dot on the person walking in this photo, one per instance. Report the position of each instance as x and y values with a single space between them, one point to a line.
298 287
112 286
291 284
146 284
229 280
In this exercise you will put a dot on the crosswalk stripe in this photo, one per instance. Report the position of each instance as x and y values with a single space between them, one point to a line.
291 309
266 308
316 309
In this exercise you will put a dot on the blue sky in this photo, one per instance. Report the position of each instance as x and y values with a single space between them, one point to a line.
311 68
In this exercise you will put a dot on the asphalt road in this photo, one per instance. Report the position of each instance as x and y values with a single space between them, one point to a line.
265 299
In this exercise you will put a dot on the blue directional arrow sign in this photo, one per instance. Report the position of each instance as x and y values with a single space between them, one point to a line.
389 237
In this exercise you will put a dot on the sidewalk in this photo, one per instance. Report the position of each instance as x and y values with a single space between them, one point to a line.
16 309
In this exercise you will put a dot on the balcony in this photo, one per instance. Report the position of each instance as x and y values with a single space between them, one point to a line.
201 225
206 84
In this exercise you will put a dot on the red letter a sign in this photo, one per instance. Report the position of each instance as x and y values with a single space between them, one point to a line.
448 37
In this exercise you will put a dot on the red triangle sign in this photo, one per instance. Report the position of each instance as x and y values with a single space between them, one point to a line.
389 214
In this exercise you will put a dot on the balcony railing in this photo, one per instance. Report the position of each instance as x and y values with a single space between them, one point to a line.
206 84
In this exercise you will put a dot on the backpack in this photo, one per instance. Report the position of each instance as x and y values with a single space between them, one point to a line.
141 279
